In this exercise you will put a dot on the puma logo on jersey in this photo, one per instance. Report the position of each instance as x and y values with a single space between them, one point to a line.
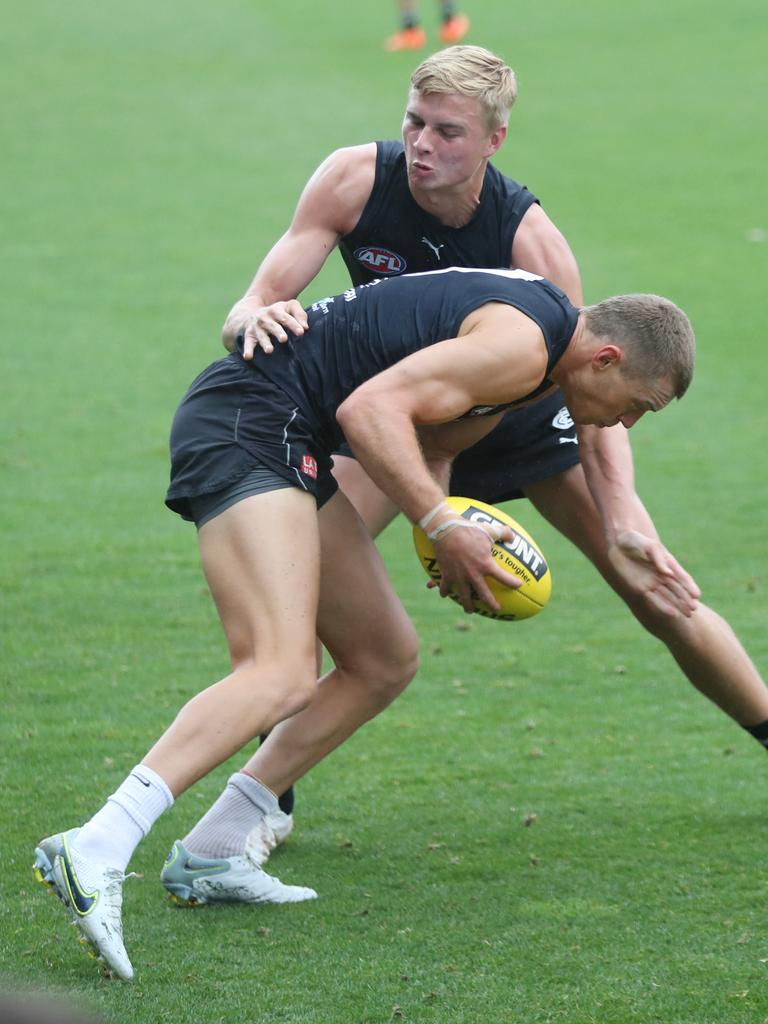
380 261
435 248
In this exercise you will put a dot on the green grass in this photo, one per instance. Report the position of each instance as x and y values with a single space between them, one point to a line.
550 825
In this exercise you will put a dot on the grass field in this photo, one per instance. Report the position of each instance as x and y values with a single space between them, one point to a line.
550 825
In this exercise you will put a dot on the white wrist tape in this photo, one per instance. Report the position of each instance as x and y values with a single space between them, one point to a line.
442 504
453 524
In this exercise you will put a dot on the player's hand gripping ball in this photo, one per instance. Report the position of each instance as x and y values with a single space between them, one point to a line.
520 556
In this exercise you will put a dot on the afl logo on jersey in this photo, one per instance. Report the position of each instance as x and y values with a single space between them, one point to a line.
380 261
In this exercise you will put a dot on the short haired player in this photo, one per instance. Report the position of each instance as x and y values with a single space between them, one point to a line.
436 358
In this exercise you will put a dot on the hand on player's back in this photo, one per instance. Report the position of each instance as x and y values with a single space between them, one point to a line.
273 323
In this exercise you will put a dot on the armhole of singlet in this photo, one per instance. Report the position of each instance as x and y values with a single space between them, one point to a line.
522 202
373 202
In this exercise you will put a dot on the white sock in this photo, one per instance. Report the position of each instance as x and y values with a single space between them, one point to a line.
114 832
224 828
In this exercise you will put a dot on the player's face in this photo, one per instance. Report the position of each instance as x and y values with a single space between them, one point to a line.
447 141
613 397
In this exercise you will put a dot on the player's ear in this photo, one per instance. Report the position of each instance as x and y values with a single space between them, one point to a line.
496 138
606 356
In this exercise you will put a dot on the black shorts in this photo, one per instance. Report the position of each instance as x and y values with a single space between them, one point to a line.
259 480
530 444
233 419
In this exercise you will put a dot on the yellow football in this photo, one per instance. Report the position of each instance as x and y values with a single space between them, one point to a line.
520 556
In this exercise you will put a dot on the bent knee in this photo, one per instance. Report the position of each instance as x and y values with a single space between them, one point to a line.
387 670
286 685
296 698
401 670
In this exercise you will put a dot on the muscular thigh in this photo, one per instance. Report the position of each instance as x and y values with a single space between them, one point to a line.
261 559
360 616
372 505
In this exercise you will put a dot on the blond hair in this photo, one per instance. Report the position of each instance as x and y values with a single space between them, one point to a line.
470 71
656 335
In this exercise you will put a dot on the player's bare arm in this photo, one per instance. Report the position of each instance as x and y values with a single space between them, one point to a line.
329 207
499 356
633 543
542 249
634 546
606 455
441 443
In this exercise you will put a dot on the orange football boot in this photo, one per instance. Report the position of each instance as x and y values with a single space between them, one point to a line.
406 39
454 29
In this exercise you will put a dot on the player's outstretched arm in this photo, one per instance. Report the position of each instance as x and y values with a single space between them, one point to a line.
329 207
607 457
635 549
605 454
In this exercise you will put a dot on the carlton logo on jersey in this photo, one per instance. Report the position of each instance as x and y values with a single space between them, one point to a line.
380 261
563 420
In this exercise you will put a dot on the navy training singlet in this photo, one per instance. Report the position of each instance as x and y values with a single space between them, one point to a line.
279 411
396 236
357 334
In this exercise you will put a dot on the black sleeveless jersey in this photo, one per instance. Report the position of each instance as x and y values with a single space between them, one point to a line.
355 335
396 236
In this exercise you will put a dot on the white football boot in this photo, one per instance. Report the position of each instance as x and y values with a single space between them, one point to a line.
93 895
194 880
